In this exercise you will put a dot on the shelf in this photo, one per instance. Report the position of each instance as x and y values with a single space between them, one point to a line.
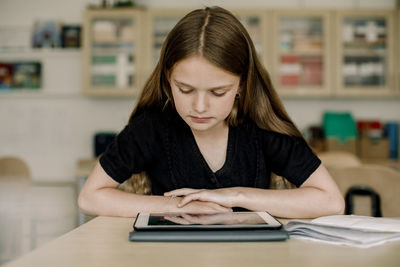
40 53
302 54
363 42
364 54
101 52
111 92
40 50
5 94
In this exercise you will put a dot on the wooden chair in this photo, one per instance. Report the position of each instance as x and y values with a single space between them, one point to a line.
336 159
14 166
14 179
367 180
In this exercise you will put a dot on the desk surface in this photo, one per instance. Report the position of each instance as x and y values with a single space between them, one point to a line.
103 241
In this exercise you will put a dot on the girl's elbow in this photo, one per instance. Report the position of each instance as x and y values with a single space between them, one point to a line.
338 205
83 203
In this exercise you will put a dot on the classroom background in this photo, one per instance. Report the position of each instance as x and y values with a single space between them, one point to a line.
52 128
52 124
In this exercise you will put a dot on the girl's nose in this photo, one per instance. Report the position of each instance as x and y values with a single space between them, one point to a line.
200 103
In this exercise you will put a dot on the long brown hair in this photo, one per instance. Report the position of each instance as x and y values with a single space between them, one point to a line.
218 36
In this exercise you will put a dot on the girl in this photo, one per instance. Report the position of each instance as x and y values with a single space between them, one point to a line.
208 131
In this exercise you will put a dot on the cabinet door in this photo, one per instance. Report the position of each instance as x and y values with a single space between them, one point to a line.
159 22
112 52
302 53
365 53
256 24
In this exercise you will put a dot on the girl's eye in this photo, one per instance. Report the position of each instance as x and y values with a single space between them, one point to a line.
185 91
218 93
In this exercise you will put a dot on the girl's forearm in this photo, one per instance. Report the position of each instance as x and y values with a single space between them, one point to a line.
114 202
305 202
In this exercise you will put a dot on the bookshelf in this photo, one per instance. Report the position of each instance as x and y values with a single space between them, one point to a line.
302 52
112 52
365 53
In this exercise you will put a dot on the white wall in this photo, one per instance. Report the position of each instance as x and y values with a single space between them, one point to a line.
53 129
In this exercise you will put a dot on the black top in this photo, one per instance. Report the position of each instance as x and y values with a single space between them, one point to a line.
163 145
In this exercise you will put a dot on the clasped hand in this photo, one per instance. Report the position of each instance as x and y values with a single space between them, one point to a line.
217 218
204 219
225 197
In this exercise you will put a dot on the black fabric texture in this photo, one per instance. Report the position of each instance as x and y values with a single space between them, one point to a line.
162 144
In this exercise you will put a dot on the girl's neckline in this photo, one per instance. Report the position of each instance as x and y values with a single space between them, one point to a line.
228 157
203 161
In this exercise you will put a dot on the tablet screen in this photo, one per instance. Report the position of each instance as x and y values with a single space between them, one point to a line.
225 220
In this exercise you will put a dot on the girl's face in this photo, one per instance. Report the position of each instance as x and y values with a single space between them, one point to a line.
203 93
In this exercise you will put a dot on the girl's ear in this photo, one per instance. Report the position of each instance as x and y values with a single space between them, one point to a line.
240 89
238 93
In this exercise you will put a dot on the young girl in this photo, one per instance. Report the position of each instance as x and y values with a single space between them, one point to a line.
208 131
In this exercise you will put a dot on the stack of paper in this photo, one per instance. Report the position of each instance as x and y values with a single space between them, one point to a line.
351 230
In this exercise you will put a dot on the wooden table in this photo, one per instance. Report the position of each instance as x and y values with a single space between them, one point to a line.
103 241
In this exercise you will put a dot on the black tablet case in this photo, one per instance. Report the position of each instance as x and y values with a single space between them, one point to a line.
209 236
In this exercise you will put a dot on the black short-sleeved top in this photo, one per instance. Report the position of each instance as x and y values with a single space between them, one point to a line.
163 145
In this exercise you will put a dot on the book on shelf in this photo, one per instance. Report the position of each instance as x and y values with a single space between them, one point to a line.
71 36
27 75
20 75
349 230
6 72
46 34
290 70
113 70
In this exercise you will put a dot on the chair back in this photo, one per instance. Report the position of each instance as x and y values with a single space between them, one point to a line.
14 166
14 189
339 159
382 180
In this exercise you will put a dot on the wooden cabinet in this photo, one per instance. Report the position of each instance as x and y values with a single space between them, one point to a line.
113 56
365 53
309 53
302 53
160 22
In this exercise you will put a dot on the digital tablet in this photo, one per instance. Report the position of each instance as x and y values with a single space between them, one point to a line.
197 221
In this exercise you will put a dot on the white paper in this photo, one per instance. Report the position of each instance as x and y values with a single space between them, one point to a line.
350 230
361 222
